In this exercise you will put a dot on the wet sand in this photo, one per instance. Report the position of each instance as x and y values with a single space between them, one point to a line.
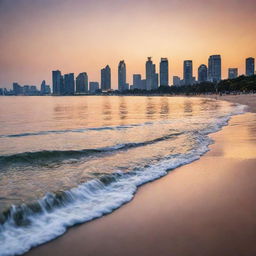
204 208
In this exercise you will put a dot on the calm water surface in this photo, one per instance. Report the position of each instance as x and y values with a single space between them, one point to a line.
67 160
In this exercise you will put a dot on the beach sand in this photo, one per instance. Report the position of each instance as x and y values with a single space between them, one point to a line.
205 208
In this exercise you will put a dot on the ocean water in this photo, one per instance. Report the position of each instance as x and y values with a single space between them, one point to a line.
68 160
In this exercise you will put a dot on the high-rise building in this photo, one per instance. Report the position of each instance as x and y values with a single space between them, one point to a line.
94 87
69 84
82 83
202 73
45 89
188 72
122 76
143 84
232 73
155 78
17 89
57 83
214 68
137 81
164 72
106 78
176 81
250 66
149 74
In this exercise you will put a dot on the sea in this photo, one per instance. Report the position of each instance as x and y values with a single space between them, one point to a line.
69 160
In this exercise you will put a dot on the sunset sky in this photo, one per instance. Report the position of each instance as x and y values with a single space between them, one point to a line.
38 36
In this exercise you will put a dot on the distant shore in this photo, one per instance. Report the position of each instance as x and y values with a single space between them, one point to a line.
204 208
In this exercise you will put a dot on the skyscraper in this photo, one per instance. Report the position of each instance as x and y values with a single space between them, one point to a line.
149 72
57 82
69 84
82 83
122 76
137 81
250 66
202 73
232 73
45 89
106 78
151 75
214 68
164 72
155 78
188 72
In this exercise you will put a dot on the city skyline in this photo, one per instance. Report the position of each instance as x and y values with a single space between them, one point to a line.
43 36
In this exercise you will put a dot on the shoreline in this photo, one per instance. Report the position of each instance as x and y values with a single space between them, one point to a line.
158 220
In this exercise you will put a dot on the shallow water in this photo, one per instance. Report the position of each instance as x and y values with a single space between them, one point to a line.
67 160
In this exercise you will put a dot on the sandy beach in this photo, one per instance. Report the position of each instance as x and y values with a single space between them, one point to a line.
205 208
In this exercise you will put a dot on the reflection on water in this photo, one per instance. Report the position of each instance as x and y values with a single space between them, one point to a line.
164 112
122 109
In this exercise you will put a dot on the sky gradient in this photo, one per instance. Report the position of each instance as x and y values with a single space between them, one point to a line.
38 36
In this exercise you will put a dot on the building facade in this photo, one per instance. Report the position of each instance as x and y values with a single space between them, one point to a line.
202 73
69 84
106 78
164 72
122 85
214 68
82 83
188 72
232 73
250 66
94 87
57 83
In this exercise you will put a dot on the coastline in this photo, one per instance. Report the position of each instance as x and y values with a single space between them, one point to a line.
204 208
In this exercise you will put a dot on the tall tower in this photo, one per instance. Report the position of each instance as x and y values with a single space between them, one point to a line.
164 72
57 81
82 83
69 84
214 68
250 66
188 72
202 73
149 74
122 76
106 78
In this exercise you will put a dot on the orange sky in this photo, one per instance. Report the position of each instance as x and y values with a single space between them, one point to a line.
38 36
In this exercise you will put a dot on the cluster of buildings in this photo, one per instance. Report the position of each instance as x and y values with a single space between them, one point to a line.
27 90
67 84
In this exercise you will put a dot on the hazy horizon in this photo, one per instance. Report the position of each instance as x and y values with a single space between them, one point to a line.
84 36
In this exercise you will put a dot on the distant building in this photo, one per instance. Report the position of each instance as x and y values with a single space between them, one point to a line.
164 72
94 87
176 81
202 73
137 81
143 84
17 89
151 75
69 84
214 68
232 73
155 78
250 66
188 72
122 86
106 78
45 89
82 83
57 83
